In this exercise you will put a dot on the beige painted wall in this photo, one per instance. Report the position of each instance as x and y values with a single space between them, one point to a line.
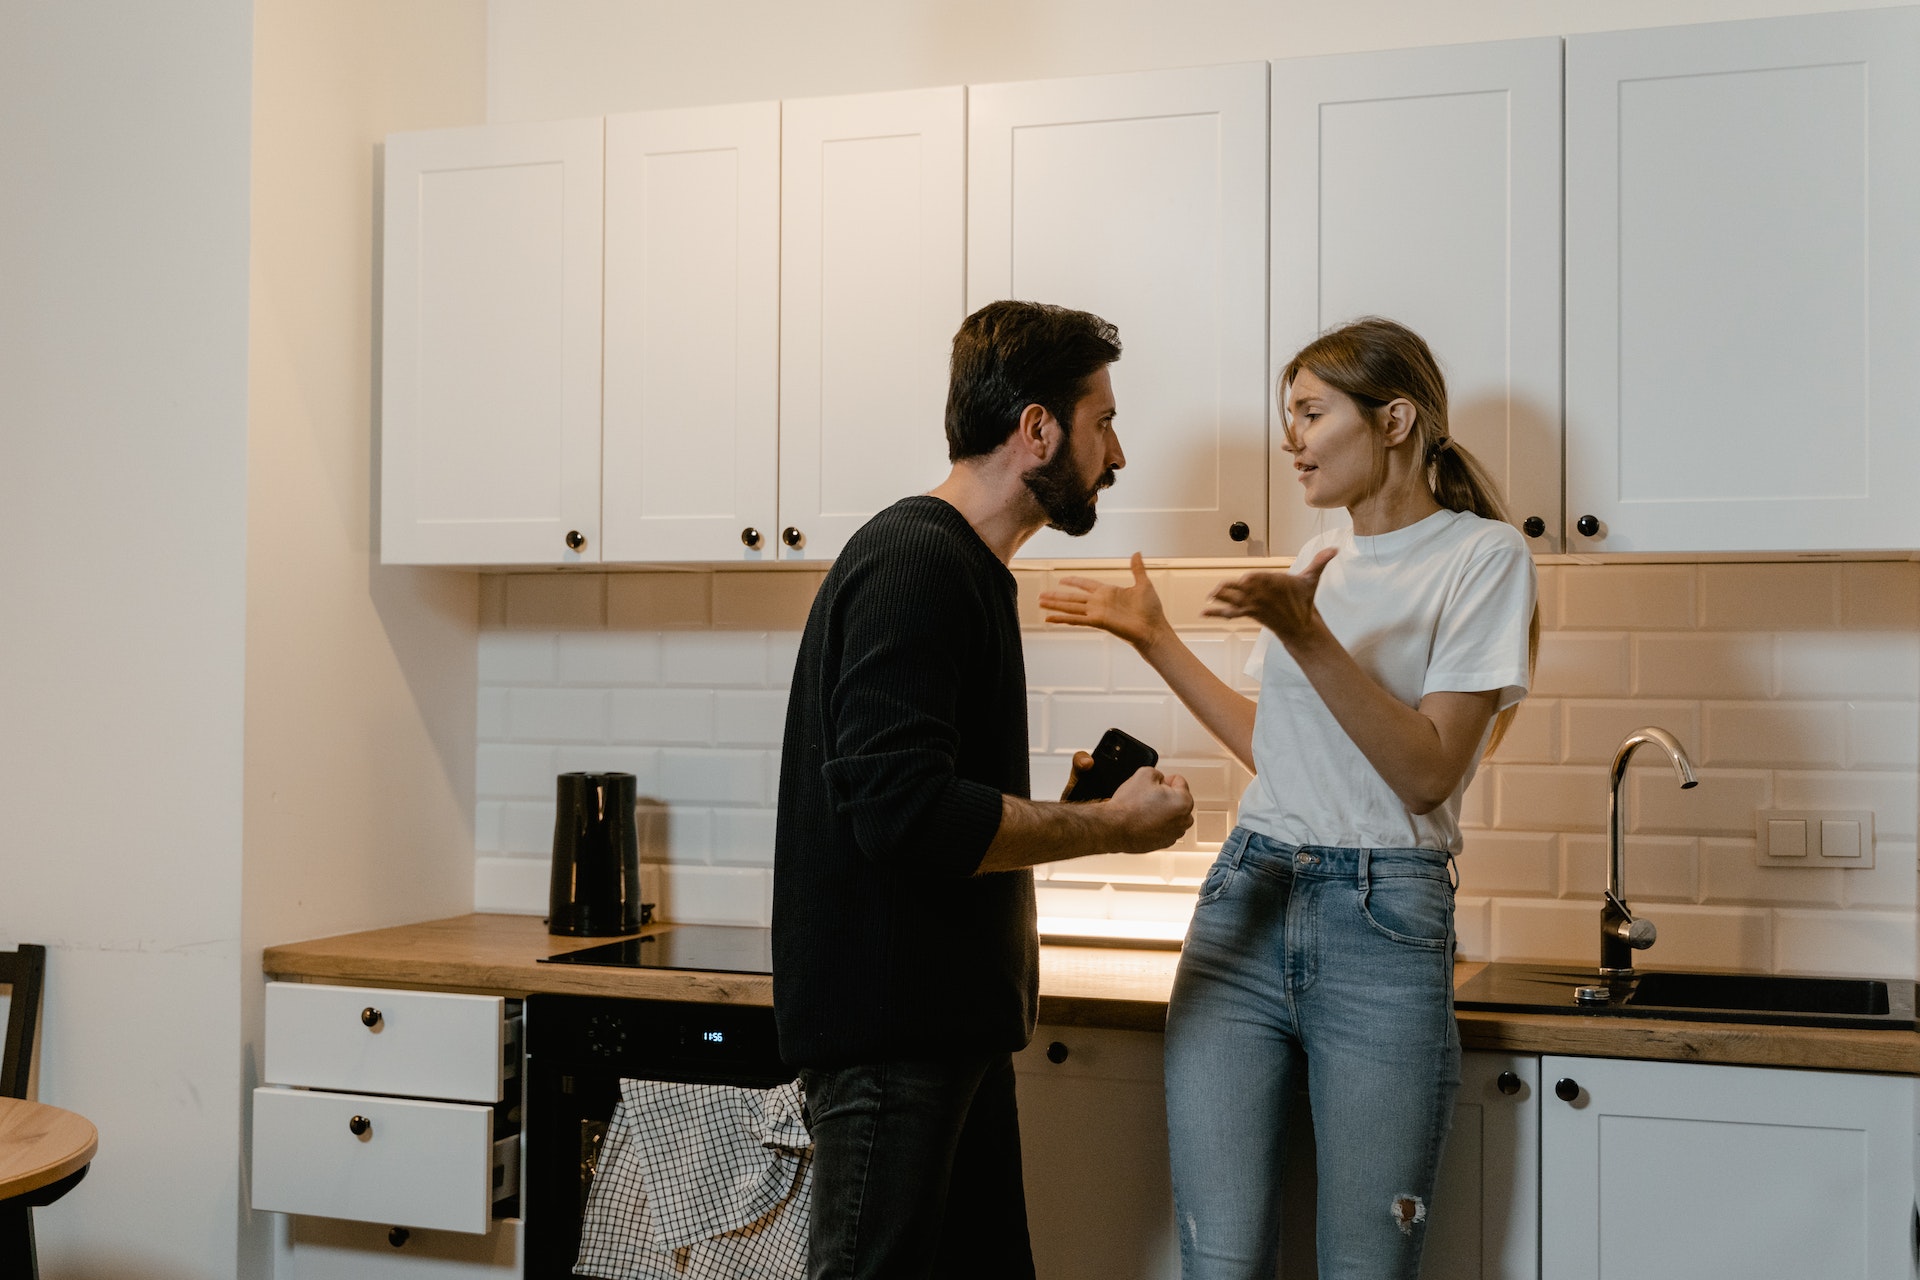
550 59
359 678
123 348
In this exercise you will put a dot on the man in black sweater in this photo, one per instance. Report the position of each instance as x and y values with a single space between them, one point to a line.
905 963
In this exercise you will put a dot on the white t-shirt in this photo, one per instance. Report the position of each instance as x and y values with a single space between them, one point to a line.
1443 604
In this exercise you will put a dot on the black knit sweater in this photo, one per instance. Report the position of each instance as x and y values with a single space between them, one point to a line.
907 721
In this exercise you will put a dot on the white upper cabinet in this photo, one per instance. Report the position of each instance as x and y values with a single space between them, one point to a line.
1142 198
1743 285
873 286
490 382
1424 185
691 422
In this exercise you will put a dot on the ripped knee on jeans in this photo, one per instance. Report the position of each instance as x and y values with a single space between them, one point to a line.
1408 1212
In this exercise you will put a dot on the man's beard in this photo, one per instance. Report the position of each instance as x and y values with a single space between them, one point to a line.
1070 506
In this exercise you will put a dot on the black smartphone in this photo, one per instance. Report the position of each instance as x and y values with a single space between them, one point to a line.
1118 757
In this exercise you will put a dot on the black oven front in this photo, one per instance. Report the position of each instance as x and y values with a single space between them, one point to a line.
579 1048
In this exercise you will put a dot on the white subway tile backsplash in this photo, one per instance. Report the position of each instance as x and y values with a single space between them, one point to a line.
508 771
1852 664
1497 863
526 827
743 837
517 657
1659 868
1706 665
1881 735
1777 735
1642 596
1078 720
1047 775
1593 731
1710 938
556 601
716 659
715 777
749 719
1539 798
1723 803
1545 930
1728 875
491 723
1062 659
557 715
1577 665
670 717
1852 943
609 658
1747 664
1891 796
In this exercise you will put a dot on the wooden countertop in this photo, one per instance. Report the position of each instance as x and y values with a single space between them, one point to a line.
1079 986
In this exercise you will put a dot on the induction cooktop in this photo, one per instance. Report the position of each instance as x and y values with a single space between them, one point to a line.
707 948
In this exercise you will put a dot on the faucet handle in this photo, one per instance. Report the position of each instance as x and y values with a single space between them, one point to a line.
1641 934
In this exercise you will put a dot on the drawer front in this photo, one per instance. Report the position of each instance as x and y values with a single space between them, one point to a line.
417 1164
422 1044
323 1249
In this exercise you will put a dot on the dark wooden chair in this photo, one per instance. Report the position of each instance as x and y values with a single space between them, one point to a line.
23 971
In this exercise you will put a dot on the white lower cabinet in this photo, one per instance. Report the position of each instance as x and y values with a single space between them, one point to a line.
1678 1171
1093 1143
327 1249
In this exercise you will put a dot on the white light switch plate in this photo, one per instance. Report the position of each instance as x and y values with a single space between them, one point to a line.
1795 837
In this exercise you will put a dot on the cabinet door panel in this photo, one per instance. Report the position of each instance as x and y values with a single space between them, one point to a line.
692 317
873 285
1093 1147
1742 271
1679 1171
1424 185
1142 198
490 381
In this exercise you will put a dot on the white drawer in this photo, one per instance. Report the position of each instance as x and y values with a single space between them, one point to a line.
417 1164
323 1249
423 1044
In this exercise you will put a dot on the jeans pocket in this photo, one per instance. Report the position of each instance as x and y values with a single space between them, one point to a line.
1416 910
1219 876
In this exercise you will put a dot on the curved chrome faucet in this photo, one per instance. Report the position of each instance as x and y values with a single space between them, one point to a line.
1620 934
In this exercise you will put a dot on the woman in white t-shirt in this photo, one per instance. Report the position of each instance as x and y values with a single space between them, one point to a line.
1391 657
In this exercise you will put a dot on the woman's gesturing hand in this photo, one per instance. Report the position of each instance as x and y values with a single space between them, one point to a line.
1132 613
1280 602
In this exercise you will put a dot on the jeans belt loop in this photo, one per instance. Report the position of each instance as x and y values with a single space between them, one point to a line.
1366 862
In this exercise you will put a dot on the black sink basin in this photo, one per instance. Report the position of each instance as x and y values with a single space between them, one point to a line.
1706 997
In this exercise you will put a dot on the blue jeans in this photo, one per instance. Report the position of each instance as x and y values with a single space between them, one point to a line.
916 1171
1338 963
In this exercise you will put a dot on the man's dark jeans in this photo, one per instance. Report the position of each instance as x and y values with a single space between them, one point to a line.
916 1172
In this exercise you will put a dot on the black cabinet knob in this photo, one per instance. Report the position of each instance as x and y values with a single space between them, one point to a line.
1508 1083
1533 527
360 1126
1566 1090
575 539
792 536
1056 1052
1588 526
399 1236
750 538
1238 531
370 1017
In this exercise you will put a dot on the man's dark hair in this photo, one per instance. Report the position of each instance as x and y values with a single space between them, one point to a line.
1009 355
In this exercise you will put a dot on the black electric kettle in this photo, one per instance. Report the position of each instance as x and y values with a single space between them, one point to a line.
596 857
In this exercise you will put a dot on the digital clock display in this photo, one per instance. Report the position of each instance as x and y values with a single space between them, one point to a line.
714 1037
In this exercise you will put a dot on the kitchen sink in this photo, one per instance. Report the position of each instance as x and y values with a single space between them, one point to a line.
1705 997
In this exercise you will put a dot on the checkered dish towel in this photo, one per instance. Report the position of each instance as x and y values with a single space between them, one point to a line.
700 1182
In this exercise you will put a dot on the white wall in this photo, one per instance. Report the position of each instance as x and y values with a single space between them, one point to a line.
550 59
359 683
123 421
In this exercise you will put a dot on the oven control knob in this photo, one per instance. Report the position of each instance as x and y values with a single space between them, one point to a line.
606 1035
